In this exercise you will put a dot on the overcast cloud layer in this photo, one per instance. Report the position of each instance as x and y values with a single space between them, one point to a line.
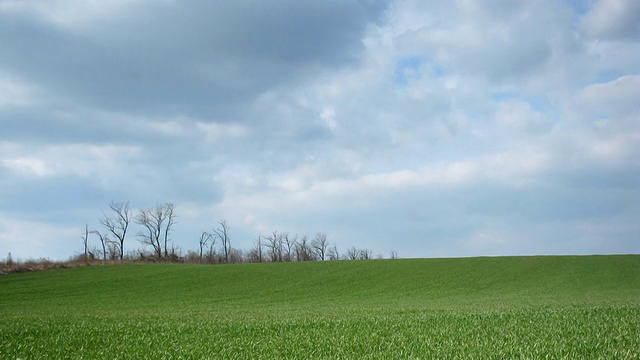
454 128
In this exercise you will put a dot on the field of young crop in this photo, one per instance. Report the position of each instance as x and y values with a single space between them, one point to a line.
508 307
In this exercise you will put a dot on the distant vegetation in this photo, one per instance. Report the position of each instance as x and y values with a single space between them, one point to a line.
110 242
155 226
505 307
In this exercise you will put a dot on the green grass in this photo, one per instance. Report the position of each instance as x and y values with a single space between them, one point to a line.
505 307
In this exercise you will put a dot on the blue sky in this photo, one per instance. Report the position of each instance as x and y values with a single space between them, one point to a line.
460 128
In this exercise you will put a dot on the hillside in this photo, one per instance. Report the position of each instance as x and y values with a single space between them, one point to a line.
502 308
437 284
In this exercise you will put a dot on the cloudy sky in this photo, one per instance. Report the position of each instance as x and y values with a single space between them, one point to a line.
432 128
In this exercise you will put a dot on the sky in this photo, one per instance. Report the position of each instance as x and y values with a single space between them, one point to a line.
429 128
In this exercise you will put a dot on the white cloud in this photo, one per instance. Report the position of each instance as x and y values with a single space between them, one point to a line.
328 117
617 98
515 117
15 92
492 241
26 239
28 166
215 131
308 190
71 14
495 40
64 160
454 126
614 19
602 123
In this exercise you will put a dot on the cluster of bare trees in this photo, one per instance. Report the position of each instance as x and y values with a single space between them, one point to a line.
209 253
281 247
156 225
215 247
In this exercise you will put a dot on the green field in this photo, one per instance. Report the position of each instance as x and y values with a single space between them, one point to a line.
504 307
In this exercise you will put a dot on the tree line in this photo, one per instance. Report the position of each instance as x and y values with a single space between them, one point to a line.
156 224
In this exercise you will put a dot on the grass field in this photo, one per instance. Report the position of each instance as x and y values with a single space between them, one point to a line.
505 307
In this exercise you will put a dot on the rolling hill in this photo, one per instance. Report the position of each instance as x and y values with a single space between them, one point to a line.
503 307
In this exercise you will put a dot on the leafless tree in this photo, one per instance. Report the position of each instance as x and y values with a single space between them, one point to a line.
211 255
288 246
104 241
332 253
205 238
175 253
170 215
304 251
118 223
85 240
255 254
222 233
113 252
274 244
365 254
319 245
259 248
192 257
157 224
9 260
393 255
236 256
352 253
151 234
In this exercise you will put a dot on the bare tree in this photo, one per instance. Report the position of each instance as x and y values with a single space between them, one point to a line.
175 254
157 225
191 257
104 241
152 229
113 250
365 254
319 245
352 253
222 233
236 256
211 255
255 254
393 255
9 260
304 251
288 246
274 244
170 215
332 253
118 223
85 240
259 248
205 238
